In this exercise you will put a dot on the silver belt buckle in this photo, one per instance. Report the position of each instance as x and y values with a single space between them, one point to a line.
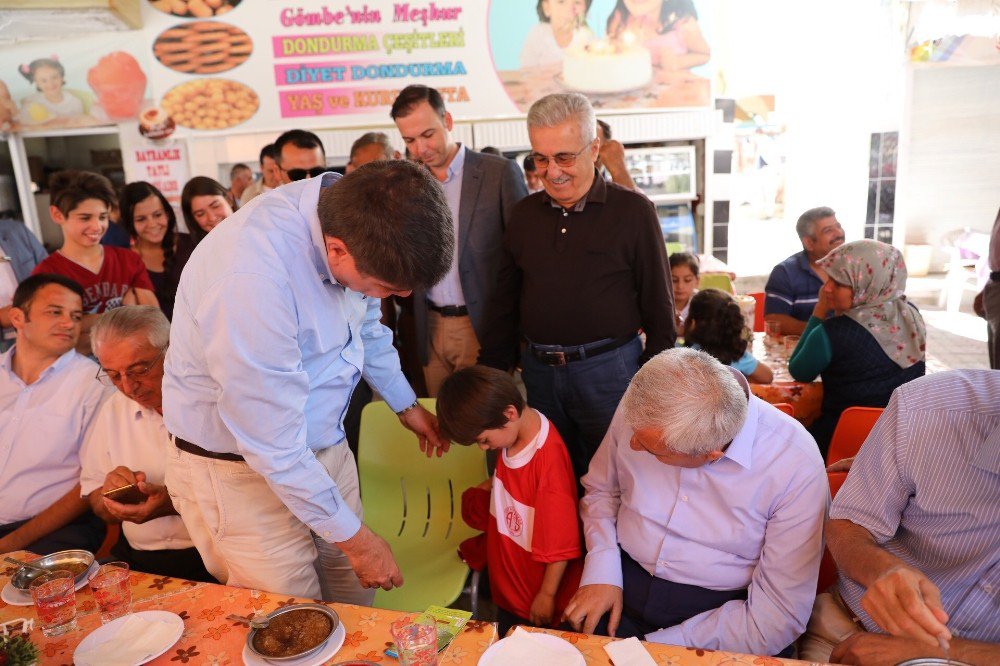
560 357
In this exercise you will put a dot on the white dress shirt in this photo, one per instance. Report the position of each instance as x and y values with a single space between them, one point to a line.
127 434
753 519
42 426
449 290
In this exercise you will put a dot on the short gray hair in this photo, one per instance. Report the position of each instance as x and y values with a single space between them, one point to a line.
692 400
379 138
553 110
131 320
806 226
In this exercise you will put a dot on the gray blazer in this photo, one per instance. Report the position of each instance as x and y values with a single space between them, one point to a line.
491 186
21 246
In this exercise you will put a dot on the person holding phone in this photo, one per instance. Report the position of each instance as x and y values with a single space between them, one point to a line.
124 457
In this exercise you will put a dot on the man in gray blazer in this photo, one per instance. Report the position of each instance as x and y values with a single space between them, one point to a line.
20 252
481 190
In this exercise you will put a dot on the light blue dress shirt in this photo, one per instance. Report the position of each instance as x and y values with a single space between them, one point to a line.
266 348
449 290
753 519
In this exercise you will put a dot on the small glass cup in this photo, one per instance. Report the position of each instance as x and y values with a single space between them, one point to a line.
112 590
791 342
416 641
55 601
772 333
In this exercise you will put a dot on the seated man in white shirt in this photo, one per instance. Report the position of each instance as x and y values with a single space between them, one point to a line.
128 445
48 397
703 514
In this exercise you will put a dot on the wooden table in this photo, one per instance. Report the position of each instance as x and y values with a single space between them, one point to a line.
210 639
805 397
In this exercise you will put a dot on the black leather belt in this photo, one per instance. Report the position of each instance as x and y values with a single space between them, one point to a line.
995 276
449 310
196 450
563 355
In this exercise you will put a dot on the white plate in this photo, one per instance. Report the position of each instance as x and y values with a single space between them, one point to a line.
333 645
108 632
493 656
16 597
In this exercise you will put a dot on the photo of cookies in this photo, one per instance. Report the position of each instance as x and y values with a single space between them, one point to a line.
202 47
209 104
195 8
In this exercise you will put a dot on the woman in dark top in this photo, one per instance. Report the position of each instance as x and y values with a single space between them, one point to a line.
152 224
875 341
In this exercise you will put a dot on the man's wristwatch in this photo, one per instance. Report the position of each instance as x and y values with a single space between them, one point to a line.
416 403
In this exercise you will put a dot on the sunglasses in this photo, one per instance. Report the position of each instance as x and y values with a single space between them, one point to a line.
300 174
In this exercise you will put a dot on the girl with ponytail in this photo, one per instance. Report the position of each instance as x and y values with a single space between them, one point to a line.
715 325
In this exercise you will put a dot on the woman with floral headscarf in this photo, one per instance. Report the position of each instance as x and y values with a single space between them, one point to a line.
874 342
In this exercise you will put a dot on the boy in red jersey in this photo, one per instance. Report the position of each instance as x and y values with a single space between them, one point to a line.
533 546
110 276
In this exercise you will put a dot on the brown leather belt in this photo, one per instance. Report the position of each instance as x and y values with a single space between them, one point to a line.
196 450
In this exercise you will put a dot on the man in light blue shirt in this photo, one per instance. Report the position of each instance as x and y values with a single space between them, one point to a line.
276 320
703 514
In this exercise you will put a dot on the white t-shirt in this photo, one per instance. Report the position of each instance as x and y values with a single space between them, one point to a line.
42 426
127 434
37 109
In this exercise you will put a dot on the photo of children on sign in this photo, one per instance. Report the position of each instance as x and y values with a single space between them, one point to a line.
44 96
621 53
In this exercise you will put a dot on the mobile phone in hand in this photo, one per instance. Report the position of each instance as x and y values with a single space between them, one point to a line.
129 494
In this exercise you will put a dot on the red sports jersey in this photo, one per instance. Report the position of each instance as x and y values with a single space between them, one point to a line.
533 521
121 270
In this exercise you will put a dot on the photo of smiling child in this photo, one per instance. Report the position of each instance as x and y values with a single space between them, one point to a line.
560 23
668 28
53 103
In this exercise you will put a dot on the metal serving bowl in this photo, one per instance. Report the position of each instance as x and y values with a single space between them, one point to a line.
329 612
23 576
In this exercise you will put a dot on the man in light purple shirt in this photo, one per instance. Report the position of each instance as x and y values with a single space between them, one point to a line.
915 530
703 514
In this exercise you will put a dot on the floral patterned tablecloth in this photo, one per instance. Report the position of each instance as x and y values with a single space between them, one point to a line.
210 639
805 397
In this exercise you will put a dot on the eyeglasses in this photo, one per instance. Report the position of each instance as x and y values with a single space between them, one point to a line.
562 159
300 174
111 378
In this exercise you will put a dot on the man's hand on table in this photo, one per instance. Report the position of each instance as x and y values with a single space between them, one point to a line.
904 602
371 558
157 502
867 649
589 605
425 426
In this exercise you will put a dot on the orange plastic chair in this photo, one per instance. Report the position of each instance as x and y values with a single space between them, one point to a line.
110 539
852 429
827 567
786 407
758 312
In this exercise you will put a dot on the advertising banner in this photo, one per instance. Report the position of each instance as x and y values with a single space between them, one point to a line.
267 65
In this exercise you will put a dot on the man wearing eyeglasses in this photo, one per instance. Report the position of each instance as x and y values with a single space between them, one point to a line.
300 155
128 445
584 270
481 190
48 398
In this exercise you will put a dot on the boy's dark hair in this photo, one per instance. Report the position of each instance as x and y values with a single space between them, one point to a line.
719 327
68 189
395 221
26 291
412 95
298 138
685 259
473 400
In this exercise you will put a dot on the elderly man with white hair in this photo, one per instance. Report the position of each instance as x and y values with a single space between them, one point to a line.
703 515
128 445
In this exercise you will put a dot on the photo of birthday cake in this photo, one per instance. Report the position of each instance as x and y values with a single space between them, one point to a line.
606 66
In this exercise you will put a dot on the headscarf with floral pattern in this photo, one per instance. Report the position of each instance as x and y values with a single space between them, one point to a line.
877 274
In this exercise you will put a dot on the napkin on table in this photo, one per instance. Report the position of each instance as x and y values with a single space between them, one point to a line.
522 647
134 642
629 652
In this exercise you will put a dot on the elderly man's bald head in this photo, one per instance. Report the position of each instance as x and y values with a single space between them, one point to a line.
693 401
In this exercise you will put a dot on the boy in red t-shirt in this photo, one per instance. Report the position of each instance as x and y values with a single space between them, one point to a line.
533 546
110 276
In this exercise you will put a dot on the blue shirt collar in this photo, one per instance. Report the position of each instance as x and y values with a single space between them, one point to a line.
457 164
7 363
308 206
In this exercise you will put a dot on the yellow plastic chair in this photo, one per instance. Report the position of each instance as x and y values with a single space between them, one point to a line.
414 503
674 248
718 281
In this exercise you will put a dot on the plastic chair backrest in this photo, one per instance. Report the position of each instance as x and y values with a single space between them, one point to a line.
827 566
758 311
719 281
415 503
674 248
786 407
852 428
